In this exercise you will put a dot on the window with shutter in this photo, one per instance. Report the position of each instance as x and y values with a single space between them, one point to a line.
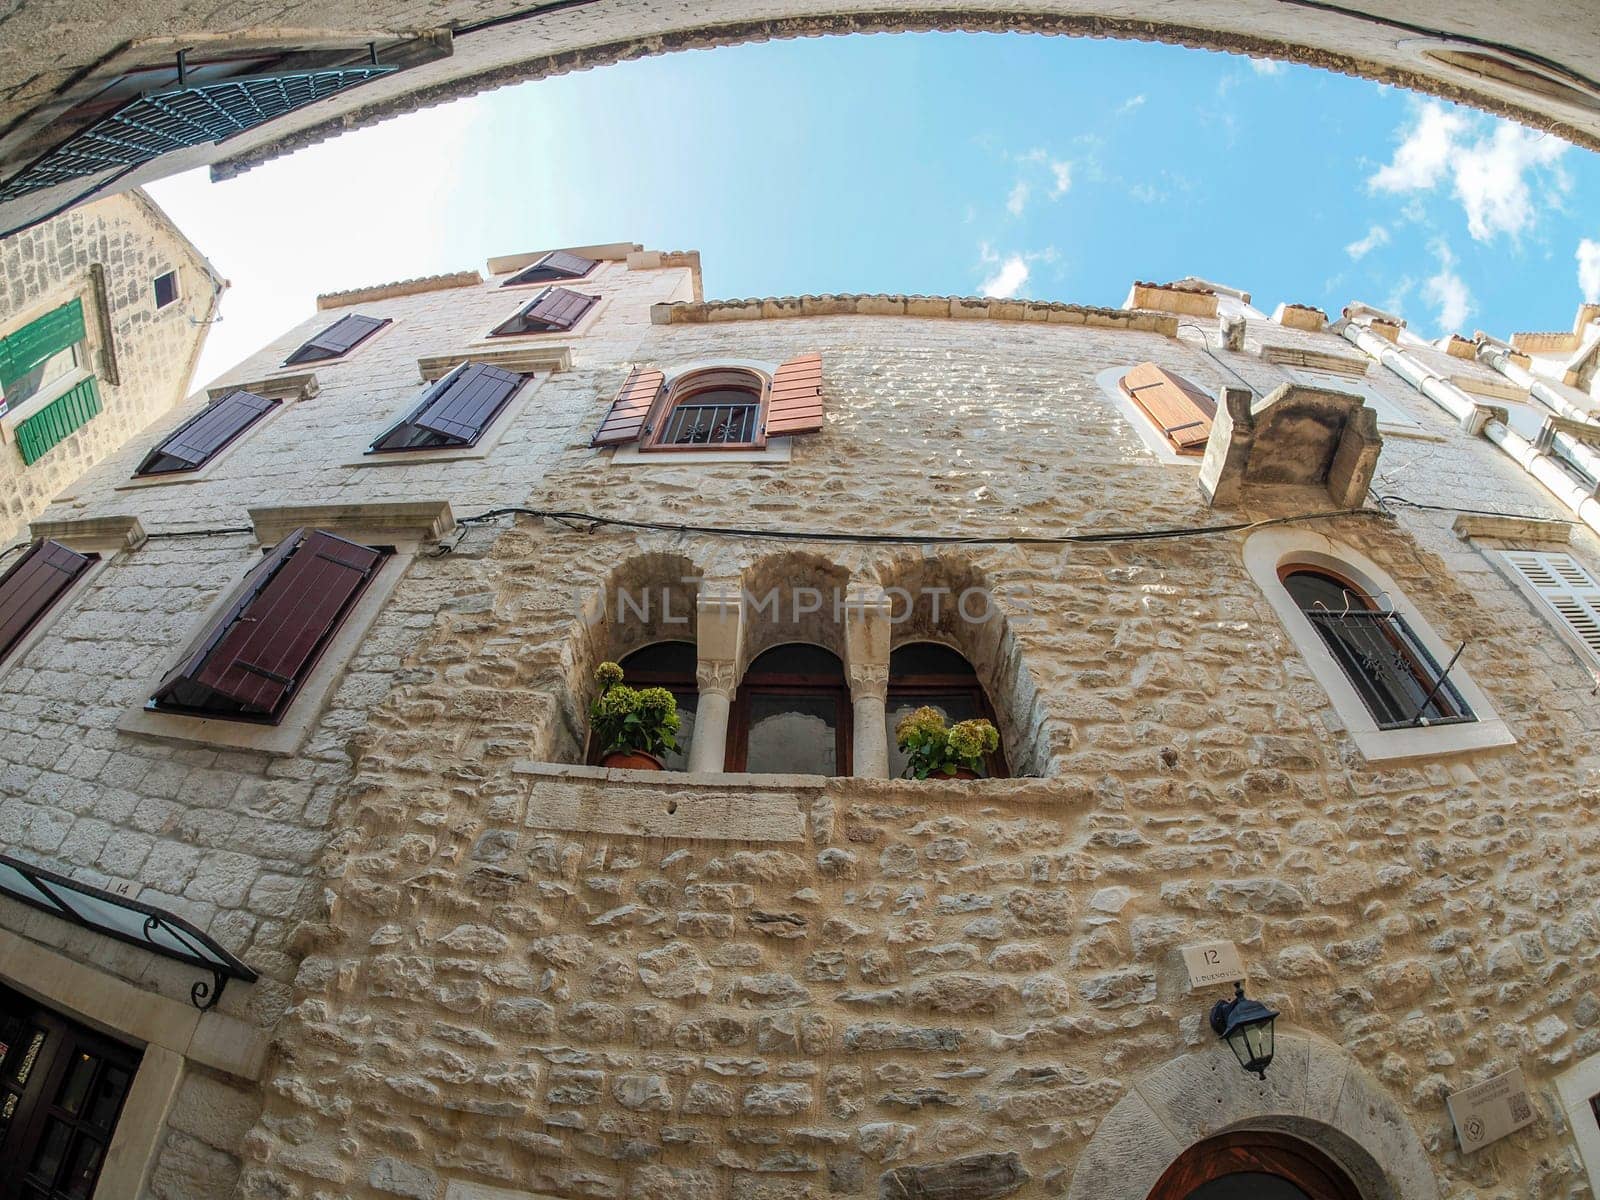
553 310
1179 409
41 577
558 264
454 411
720 408
1568 590
338 339
631 408
249 662
201 438
41 354
795 405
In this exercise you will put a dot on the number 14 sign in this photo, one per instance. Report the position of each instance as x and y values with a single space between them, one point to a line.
1211 963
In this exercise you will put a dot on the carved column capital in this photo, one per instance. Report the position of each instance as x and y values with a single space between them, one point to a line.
869 681
717 676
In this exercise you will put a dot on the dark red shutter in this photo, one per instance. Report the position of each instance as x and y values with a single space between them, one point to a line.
558 264
343 336
45 571
557 308
1178 408
795 405
253 656
464 409
194 442
630 409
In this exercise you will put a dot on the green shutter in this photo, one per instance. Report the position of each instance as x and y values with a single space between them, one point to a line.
38 340
58 420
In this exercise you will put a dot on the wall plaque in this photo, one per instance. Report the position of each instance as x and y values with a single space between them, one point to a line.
1211 963
1487 1111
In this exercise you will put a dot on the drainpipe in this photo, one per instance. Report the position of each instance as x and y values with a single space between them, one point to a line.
1478 418
1468 413
1575 452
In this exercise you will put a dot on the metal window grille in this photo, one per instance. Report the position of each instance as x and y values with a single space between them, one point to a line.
1401 683
176 118
711 424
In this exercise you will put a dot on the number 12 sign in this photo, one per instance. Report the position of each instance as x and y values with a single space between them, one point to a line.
1211 963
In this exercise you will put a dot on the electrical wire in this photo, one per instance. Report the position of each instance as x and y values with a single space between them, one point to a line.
1205 344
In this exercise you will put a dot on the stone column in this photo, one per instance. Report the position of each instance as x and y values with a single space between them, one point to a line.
708 751
719 634
866 642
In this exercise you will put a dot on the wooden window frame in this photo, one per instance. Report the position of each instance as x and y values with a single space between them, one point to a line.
500 330
738 747
698 382
177 289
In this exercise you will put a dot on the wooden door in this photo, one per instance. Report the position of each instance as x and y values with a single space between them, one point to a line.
1251 1165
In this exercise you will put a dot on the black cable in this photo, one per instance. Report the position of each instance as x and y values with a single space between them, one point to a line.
595 521
1205 344
1471 512
183 533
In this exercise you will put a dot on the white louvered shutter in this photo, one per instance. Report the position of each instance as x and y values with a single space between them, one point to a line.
1563 584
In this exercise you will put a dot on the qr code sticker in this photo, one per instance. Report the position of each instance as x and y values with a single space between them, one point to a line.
1520 1108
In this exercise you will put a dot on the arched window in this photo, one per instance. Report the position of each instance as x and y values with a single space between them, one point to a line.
927 673
719 407
1391 670
792 714
670 665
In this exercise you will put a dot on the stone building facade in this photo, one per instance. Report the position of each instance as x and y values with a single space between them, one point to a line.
486 969
137 347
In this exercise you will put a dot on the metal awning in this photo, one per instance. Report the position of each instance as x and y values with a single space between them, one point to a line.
153 929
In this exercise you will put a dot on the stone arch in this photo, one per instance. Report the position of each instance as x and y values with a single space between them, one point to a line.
947 598
647 598
778 598
1313 1091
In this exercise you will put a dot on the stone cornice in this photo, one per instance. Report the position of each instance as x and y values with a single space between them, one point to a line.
400 287
960 308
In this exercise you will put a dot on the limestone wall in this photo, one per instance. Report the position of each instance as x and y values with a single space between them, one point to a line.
129 242
482 969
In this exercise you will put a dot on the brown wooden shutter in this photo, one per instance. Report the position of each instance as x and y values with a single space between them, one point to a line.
338 339
45 571
197 440
555 308
630 409
250 660
1179 408
558 264
464 409
795 405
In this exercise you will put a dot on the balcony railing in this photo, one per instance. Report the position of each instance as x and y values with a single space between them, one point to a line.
711 424
1401 683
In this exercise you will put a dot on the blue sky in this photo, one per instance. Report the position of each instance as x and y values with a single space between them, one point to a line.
1048 167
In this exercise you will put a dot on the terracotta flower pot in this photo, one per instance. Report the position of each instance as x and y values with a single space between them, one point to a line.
964 773
633 760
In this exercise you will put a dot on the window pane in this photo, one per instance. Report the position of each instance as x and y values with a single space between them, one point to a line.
793 735
958 707
82 1169
113 1085
52 1149
679 761
75 1087
51 369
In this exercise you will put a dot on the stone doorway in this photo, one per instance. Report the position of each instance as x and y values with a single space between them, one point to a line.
1254 1165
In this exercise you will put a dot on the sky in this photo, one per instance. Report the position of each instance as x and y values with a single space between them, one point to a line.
1051 168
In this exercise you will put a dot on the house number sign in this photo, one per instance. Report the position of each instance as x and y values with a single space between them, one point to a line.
1486 1112
1211 963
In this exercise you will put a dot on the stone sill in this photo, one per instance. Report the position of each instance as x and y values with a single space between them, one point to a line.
961 308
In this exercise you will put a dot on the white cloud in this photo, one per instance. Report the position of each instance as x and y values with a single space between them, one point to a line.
1376 236
1448 292
1018 199
1489 173
1266 66
1061 173
1589 270
1008 279
245 224
1131 103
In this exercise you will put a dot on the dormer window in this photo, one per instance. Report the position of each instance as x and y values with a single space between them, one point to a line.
554 310
337 340
553 267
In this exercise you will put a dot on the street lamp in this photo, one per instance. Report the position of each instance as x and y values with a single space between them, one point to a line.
1246 1025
